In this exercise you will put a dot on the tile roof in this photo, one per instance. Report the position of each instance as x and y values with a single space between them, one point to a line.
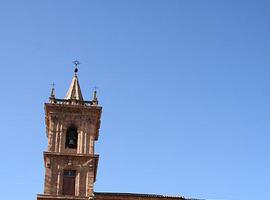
142 195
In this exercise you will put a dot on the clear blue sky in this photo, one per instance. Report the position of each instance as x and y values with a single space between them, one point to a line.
184 86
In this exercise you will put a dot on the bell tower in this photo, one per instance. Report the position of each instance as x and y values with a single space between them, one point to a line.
72 127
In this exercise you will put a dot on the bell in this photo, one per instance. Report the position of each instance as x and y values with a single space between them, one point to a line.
71 142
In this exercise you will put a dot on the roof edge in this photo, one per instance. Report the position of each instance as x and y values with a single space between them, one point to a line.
143 195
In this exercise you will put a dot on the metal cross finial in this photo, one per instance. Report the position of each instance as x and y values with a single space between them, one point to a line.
53 84
95 88
76 63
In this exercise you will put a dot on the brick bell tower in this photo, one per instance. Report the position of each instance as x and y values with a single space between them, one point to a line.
72 127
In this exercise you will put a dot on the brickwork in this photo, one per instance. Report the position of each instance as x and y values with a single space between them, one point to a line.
57 158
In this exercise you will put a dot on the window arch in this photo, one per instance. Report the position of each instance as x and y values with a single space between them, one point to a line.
71 138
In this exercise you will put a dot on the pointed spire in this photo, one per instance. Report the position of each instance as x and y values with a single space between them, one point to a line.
53 92
95 99
74 91
52 96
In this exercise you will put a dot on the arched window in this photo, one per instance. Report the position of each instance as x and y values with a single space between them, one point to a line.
71 138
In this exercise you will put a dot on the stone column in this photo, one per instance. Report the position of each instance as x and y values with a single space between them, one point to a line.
60 138
58 189
52 131
56 137
79 142
87 148
85 143
91 146
77 184
48 180
82 141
